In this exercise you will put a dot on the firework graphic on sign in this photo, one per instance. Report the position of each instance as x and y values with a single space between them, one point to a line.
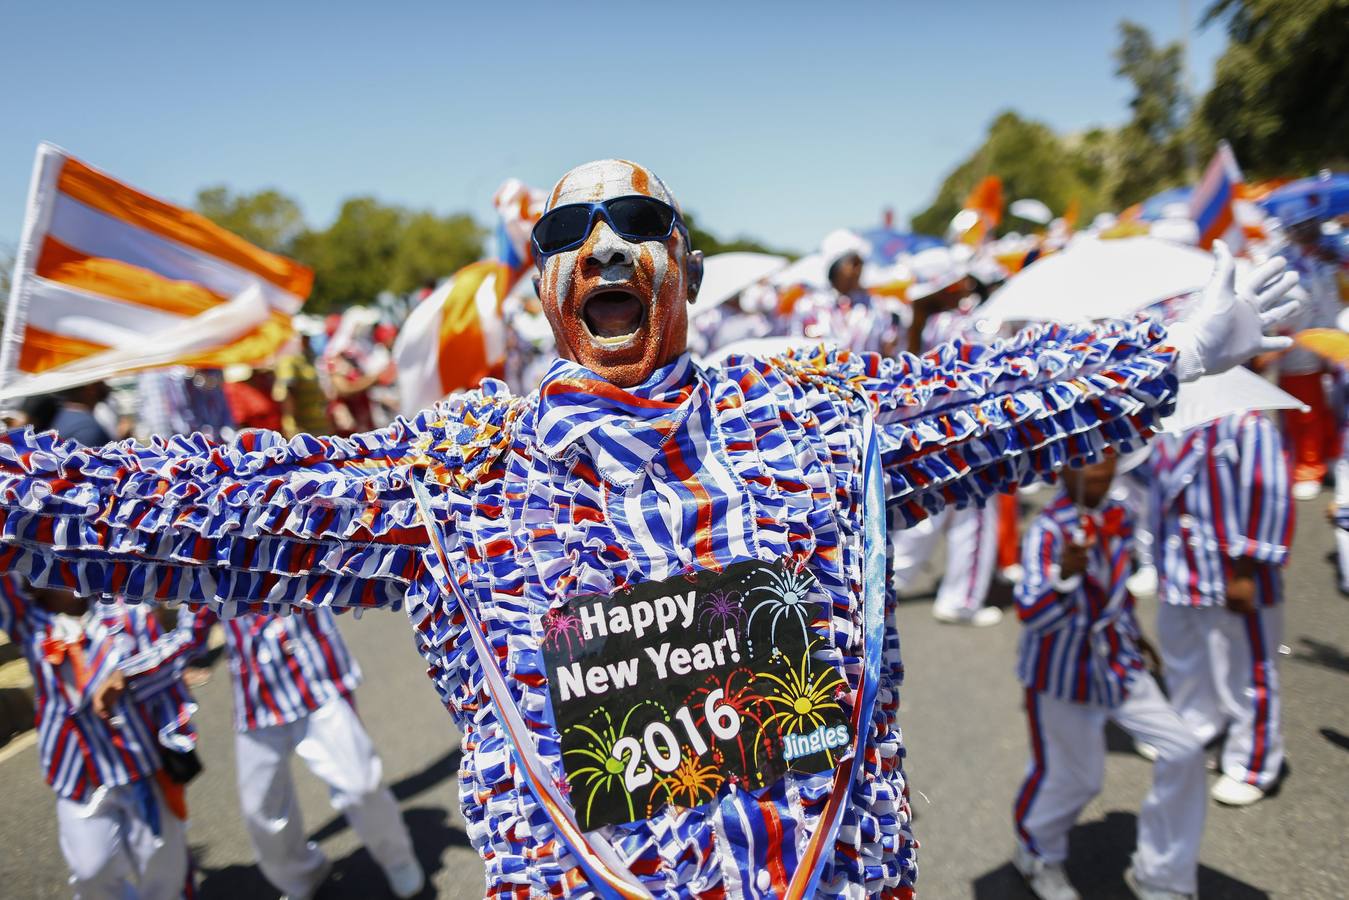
784 599
721 610
560 626
605 772
691 784
799 701
737 692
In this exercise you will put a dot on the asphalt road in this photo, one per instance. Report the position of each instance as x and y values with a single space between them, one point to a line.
966 741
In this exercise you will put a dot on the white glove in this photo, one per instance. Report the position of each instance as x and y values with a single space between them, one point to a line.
1228 326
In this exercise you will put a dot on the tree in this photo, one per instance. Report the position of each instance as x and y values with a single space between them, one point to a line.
431 247
1280 94
1150 148
267 218
353 258
1032 161
709 243
373 247
6 273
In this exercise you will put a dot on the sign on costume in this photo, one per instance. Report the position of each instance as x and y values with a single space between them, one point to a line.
666 691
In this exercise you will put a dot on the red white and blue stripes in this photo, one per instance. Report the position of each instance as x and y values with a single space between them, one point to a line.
1078 644
582 488
77 751
282 668
1224 494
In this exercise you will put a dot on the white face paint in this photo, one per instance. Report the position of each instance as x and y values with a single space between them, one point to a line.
616 306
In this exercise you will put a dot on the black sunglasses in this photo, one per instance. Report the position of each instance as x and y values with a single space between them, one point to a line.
634 217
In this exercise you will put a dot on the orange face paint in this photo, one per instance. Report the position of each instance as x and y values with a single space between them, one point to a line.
617 307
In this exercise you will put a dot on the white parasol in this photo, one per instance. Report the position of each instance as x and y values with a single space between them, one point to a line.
1100 279
727 274
1214 396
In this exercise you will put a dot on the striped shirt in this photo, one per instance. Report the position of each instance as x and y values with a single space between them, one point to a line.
1223 493
1080 641
78 751
282 668
583 487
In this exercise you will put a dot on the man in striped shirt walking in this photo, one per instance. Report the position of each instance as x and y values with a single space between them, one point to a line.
293 682
1081 665
102 748
1226 523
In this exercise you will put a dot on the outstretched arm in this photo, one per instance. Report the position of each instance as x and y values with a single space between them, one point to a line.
965 421
256 523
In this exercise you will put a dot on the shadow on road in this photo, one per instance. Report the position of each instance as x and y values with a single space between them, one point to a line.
1098 854
1338 738
1319 653
357 874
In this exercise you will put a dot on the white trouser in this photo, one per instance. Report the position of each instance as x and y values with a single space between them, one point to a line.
114 853
1342 501
1221 673
971 552
334 745
1068 764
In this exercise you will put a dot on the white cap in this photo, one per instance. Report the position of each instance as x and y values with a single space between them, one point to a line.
841 243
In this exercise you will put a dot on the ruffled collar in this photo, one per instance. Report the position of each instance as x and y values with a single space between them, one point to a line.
622 428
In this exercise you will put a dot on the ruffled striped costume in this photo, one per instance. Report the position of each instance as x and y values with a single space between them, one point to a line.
583 487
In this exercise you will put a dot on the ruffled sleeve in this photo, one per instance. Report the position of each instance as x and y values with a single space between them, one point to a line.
255 524
968 420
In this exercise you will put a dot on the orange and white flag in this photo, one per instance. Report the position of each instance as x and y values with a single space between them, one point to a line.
457 336
109 280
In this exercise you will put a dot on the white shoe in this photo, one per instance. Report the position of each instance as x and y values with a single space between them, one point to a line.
980 618
1012 574
319 880
1143 892
1047 881
406 880
1230 792
1306 490
1143 583
1147 751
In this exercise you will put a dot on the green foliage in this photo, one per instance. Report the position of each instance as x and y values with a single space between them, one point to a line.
1150 148
431 246
353 258
371 247
267 218
709 243
1280 94
1032 161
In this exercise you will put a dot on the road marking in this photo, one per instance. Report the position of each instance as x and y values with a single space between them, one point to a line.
18 745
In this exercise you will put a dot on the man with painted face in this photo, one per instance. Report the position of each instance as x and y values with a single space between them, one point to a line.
629 468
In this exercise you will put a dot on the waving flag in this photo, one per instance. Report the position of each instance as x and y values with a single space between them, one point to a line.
985 202
456 336
109 280
1212 204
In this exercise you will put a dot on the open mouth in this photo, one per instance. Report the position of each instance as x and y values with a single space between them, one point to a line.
613 316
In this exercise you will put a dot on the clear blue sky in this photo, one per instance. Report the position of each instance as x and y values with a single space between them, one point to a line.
778 119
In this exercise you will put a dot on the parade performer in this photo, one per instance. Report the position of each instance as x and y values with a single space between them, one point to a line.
945 310
114 740
519 529
1226 523
844 314
294 681
1081 663
1312 434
